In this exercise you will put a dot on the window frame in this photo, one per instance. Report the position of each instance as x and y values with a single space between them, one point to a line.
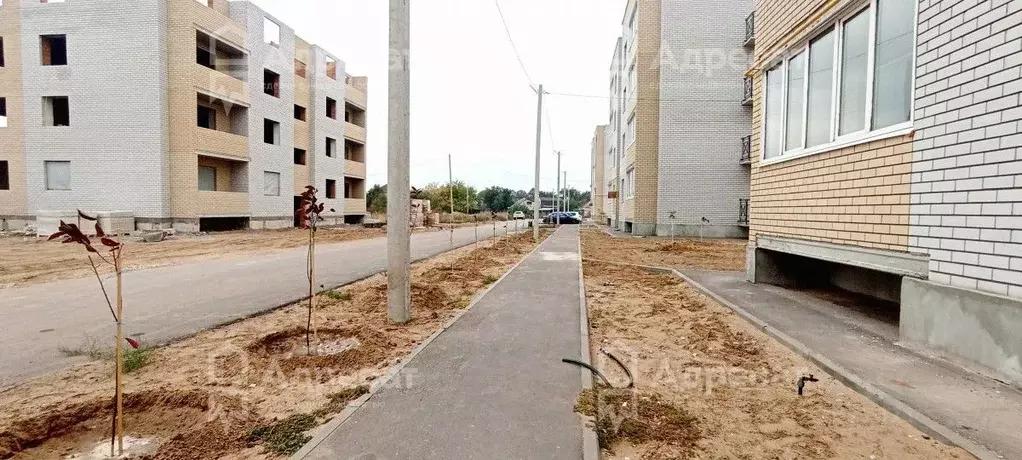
267 175
46 175
838 141
198 176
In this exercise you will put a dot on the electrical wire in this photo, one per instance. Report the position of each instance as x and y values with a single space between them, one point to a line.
655 99
515 48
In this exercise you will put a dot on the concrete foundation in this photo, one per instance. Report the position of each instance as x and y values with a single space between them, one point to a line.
47 222
979 327
643 229
185 225
14 223
702 231
117 222
271 223
153 223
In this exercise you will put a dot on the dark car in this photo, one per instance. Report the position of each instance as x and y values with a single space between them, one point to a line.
562 217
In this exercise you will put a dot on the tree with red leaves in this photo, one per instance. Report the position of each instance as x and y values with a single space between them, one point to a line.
309 216
72 233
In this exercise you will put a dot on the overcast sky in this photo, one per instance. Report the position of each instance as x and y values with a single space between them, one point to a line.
470 97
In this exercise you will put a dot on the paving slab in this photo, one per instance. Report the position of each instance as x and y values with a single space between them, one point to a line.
978 409
168 303
490 386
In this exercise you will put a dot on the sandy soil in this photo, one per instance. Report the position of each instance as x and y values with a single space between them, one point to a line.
737 383
708 254
244 375
29 260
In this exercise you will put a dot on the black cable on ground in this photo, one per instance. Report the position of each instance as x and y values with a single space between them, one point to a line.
591 368
631 381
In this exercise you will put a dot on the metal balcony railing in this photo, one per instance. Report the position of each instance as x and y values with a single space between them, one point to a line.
747 94
746 150
750 29
743 211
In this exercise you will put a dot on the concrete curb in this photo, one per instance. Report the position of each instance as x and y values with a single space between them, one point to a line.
850 379
327 429
590 441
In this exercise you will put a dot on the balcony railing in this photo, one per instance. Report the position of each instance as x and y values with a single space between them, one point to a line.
355 132
746 150
747 94
750 30
743 211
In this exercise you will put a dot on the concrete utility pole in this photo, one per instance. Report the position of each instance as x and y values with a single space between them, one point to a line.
399 244
539 136
567 197
557 196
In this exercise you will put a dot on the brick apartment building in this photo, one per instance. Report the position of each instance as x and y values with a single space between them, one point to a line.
674 142
887 160
598 190
188 114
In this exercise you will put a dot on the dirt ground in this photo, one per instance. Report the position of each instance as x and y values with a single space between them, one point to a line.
29 260
736 385
206 396
708 254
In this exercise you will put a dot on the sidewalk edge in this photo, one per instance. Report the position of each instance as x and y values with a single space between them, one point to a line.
327 429
590 441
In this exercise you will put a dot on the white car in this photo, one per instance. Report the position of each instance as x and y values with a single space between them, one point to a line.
519 215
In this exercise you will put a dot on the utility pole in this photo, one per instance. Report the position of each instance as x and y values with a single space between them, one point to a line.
399 244
450 186
557 196
567 197
539 136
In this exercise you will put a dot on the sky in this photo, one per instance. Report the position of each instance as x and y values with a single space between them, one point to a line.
470 97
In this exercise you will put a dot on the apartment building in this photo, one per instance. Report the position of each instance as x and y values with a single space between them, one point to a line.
598 190
680 120
888 161
191 114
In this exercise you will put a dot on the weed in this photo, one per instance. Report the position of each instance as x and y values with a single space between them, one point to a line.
490 279
338 401
653 420
284 437
343 296
91 349
137 358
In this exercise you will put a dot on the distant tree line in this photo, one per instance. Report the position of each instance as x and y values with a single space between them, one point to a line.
468 199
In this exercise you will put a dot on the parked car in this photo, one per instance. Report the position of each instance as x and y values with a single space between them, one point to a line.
519 215
562 217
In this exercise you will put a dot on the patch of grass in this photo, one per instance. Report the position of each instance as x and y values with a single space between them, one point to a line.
338 295
338 401
135 359
490 280
90 349
284 437
637 418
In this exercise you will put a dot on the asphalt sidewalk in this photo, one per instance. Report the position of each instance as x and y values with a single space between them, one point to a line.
492 385
978 413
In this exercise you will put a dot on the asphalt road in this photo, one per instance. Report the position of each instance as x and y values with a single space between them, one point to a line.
168 303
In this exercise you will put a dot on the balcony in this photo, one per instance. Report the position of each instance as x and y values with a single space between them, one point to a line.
218 204
354 132
219 84
221 143
355 96
354 206
743 212
747 94
746 157
354 169
750 30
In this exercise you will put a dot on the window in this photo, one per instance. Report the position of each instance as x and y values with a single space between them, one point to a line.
271 183
5 177
331 108
300 157
347 116
271 32
271 83
3 112
53 49
630 134
207 178
630 183
56 111
207 118
204 56
840 90
271 132
58 175
299 68
331 147
331 68
347 189
299 112
331 188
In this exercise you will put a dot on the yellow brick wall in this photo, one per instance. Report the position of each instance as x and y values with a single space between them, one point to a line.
184 16
643 208
857 195
13 201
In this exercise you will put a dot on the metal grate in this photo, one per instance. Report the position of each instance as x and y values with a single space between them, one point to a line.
750 29
747 95
743 211
746 150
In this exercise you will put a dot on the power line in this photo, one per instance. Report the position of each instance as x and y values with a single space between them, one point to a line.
655 99
515 48
549 127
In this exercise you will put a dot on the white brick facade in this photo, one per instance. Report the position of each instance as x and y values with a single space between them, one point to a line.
966 208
